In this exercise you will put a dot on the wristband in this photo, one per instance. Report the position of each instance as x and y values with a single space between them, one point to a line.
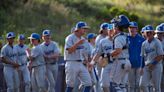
154 62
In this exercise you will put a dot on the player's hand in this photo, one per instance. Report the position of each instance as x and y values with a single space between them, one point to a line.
80 41
46 57
151 67
90 65
15 65
54 56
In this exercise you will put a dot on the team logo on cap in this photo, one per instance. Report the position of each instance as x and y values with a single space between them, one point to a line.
10 35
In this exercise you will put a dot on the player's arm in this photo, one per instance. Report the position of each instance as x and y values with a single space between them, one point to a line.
56 53
7 61
95 58
31 58
160 53
28 52
54 56
158 58
116 52
74 47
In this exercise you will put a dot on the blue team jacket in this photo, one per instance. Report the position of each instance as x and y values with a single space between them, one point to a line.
134 48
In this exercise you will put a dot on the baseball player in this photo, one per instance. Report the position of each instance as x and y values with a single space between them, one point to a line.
36 56
102 34
135 43
22 61
151 53
104 50
74 57
9 58
52 52
91 39
160 35
121 65
2 81
91 42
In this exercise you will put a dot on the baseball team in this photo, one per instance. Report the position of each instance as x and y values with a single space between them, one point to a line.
118 59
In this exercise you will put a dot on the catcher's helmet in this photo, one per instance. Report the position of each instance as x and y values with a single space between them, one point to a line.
121 21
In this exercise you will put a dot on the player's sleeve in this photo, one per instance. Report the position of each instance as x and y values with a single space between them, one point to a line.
99 48
35 52
68 42
3 52
142 50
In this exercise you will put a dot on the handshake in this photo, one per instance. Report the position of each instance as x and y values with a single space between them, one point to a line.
102 61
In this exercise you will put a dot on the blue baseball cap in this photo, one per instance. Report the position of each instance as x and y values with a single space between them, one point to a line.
104 26
148 28
21 37
34 36
91 35
80 25
159 29
46 33
133 24
10 35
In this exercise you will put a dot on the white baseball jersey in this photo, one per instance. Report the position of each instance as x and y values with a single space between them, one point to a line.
10 53
50 49
151 49
97 41
38 55
105 46
79 54
22 57
119 42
